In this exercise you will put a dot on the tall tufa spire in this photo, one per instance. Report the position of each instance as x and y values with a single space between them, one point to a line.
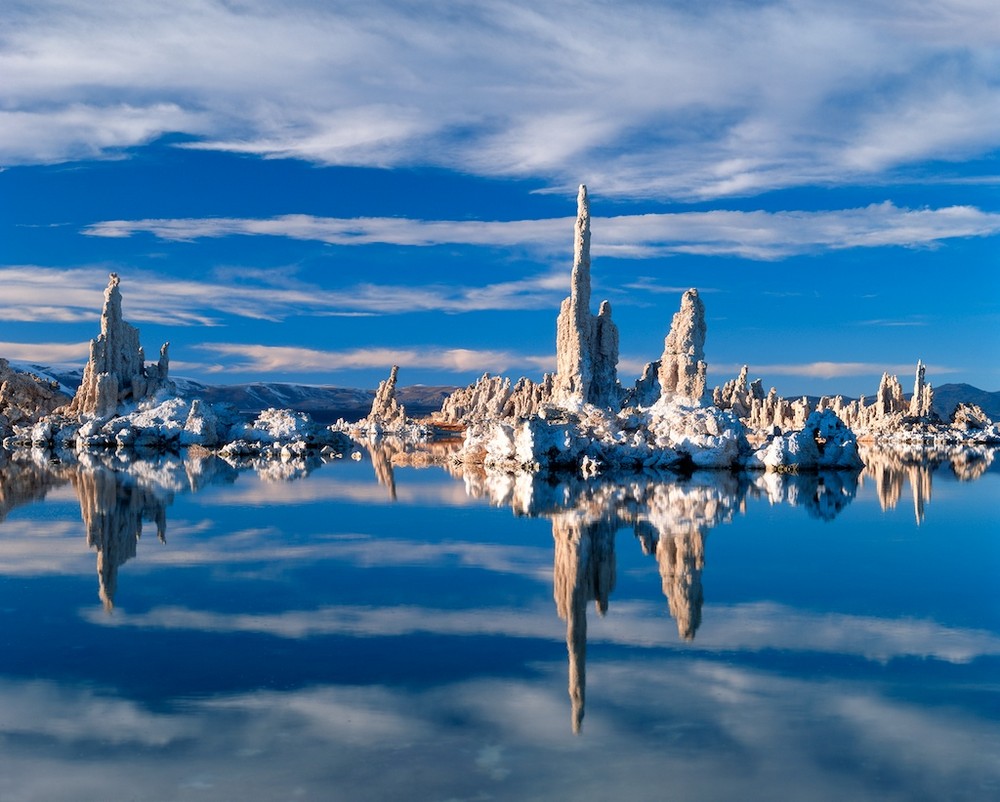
586 345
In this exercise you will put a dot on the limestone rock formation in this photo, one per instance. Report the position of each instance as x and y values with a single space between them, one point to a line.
739 396
386 414
586 346
116 372
970 418
646 390
682 366
923 394
24 398
824 442
492 398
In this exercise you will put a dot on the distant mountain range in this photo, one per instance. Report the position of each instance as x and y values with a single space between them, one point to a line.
326 403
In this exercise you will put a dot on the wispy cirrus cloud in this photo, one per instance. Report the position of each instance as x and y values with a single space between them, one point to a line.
30 293
568 91
830 370
754 235
257 358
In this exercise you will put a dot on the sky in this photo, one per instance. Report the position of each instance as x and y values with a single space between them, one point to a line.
314 191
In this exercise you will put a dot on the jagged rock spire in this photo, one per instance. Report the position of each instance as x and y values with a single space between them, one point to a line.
386 412
586 346
682 366
116 371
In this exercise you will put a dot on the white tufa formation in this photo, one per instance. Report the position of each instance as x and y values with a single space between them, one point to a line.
116 371
492 398
387 413
24 398
586 346
682 366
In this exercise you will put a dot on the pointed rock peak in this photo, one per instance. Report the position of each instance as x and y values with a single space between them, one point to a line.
583 205
581 250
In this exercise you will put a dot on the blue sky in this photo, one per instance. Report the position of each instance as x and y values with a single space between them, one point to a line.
314 191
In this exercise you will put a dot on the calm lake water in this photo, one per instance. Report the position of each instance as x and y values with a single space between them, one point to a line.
367 632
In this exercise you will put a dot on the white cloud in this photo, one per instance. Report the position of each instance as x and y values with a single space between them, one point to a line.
30 293
45 353
752 235
829 370
635 98
751 627
703 725
272 359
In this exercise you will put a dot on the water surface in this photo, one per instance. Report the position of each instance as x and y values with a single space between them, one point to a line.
184 631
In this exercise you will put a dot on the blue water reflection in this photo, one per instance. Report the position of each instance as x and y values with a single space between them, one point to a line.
182 629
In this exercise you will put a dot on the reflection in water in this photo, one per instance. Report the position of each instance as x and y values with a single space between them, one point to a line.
891 469
670 517
23 484
116 497
387 453
584 571
113 511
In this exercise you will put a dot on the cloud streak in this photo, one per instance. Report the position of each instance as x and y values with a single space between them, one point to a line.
256 358
756 235
29 293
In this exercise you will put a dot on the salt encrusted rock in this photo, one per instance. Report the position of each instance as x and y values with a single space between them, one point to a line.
970 418
201 427
739 396
923 394
24 398
116 372
682 366
586 346
889 417
386 414
493 398
824 442
646 391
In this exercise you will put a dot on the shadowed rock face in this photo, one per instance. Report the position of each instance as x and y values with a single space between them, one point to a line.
586 345
116 371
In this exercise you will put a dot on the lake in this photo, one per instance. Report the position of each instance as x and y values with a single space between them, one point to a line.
363 630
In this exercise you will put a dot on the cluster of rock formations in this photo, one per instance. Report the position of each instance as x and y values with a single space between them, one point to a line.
579 418
124 403
494 398
889 417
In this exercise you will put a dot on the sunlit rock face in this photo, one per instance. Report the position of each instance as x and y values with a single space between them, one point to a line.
586 346
25 398
824 442
386 414
682 366
492 398
116 371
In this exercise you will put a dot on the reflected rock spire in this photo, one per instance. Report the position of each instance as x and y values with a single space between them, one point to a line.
113 513
583 571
